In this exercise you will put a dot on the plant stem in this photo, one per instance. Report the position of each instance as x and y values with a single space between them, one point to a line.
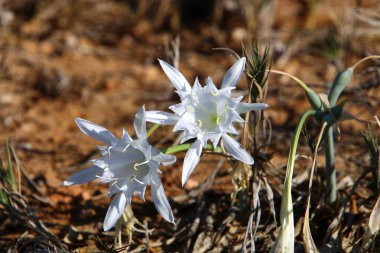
186 146
292 153
365 59
330 167
152 129
285 241
311 95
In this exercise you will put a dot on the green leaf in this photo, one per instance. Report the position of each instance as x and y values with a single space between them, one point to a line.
339 84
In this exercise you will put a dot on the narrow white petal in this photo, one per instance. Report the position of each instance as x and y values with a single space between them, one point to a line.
161 202
115 210
246 107
230 130
210 86
84 176
234 149
214 138
163 118
175 77
233 74
178 109
237 117
140 123
187 123
125 137
165 159
197 86
95 131
191 160
238 99
227 92
184 95
141 193
185 137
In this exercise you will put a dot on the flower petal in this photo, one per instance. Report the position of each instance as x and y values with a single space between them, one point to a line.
234 149
191 160
246 107
214 138
197 86
187 123
175 77
233 74
164 159
210 87
185 137
140 123
161 201
95 131
163 118
115 210
178 109
125 137
84 176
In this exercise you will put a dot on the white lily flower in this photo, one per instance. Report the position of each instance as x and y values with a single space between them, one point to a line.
206 113
128 166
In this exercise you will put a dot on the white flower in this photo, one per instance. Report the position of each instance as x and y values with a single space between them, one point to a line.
206 113
128 166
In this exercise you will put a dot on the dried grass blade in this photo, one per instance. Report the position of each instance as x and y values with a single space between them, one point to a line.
306 233
373 227
270 198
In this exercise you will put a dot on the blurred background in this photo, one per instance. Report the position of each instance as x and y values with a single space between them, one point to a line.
97 59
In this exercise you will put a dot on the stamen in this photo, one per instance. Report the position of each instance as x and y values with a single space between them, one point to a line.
189 109
126 147
217 120
214 93
135 166
134 178
199 123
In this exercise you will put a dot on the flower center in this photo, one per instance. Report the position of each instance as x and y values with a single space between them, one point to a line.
217 119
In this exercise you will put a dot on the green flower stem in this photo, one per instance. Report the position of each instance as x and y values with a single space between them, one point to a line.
292 155
285 241
186 146
311 95
365 59
330 167
153 129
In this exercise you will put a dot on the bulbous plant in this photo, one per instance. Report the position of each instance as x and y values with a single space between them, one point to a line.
326 110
